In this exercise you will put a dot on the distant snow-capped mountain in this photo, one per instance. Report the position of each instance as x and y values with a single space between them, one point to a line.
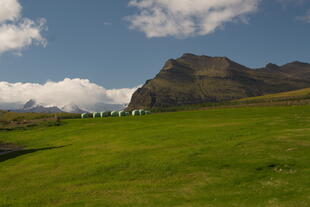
33 107
72 108
30 104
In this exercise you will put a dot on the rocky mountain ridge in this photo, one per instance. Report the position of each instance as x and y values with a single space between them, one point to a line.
32 106
193 79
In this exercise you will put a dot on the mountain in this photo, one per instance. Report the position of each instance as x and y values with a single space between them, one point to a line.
33 107
301 94
193 79
72 108
30 104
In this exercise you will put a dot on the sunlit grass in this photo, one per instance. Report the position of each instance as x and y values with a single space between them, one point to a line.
303 93
256 156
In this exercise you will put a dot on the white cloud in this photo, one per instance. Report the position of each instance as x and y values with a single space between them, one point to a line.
305 18
9 10
297 2
17 32
184 18
107 23
69 91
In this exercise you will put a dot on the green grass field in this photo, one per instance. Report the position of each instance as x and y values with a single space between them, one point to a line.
297 97
13 120
234 157
290 95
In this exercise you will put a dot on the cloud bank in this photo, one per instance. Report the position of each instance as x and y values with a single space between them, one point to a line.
17 32
300 3
69 91
297 2
305 18
184 18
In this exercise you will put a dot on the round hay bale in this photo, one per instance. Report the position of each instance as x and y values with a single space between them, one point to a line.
136 113
142 112
121 113
114 113
84 115
96 115
104 114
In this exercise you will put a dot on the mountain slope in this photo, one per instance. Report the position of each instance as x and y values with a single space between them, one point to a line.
290 95
72 108
33 107
193 79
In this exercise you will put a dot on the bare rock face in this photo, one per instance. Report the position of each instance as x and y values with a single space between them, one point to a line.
30 104
33 107
72 108
193 79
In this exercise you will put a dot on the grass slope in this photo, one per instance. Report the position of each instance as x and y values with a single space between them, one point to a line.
13 120
298 94
298 97
241 157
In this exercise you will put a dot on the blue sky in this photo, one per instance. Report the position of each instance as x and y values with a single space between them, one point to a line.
92 40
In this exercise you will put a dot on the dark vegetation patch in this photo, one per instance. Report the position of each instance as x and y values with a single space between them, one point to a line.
18 151
11 120
6 147
277 167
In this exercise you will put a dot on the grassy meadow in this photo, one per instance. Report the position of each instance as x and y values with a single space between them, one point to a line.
226 157
296 97
13 120
290 95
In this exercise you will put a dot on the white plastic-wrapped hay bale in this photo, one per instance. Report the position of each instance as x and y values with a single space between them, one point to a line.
135 113
84 115
114 113
96 115
142 112
104 114
121 113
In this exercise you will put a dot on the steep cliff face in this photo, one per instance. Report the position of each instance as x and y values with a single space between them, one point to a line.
193 79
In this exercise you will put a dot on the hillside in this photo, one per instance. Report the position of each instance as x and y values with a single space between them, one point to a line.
193 79
12 120
290 95
243 157
290 98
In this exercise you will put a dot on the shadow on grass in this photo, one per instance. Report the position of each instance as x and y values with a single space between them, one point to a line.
14 154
